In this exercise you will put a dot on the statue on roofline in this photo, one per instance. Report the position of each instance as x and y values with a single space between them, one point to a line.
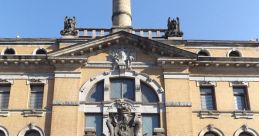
173 28
69 27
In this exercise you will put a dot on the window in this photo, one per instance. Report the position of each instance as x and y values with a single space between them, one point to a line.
2 133
210 134
9 51
234 53
148 94
207 98
123 88
4 95
41 51
94 121
203 53
241 99
245 134
32 133
96 93
150 121
36 96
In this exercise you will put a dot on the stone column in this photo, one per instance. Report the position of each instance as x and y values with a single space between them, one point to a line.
121 16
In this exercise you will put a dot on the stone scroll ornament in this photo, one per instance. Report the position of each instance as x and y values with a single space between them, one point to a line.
123 123
173 28
69 27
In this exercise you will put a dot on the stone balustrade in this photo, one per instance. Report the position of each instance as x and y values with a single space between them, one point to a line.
98 32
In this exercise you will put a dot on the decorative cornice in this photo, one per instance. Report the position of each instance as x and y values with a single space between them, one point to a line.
65 103
178 104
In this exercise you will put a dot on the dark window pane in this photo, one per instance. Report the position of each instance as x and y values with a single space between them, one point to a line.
36 97
148 94
123 88
9 51
207 98
4 96
234 54
128 87
94 121
41 51
32 133
240 98
96 94
211 134
116 88
203 53
149 123
245 134
2 133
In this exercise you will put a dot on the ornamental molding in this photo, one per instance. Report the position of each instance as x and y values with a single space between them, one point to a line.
209 114
31 126
238 83
211 128
243 115
65 103
206 83
247 129
178 104
36 81
4 130
6 81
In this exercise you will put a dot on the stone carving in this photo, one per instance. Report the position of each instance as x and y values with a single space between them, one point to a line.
173 28
122 58
69 27
123 123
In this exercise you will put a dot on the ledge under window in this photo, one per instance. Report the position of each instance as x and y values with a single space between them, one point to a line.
243 115
4 113
33 113
209 114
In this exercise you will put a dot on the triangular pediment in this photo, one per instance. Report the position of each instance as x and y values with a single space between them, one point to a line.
122 39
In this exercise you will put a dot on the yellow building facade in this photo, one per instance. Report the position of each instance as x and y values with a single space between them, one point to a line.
128 82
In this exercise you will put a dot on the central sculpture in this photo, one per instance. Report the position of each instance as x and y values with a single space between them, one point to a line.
123 123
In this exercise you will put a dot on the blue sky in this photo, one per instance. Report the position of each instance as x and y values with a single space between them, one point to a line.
200 19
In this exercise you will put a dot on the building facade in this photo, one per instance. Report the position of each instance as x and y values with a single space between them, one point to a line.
128 82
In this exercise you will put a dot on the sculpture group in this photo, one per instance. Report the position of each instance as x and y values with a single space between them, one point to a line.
173 28
69 27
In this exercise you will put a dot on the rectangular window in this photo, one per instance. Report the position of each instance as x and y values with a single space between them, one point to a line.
122 88
207 98
4 95
36 96
94 121
150 121
240 97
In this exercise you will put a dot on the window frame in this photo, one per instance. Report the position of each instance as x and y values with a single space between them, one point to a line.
213 94
122 91
150 115
245 97
35 92
6 92
94 114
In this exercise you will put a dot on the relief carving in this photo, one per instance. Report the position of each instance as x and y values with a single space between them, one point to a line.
122 58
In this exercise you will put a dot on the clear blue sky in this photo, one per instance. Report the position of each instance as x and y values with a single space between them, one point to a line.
200 19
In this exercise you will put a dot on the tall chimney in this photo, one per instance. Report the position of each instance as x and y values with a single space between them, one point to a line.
121 15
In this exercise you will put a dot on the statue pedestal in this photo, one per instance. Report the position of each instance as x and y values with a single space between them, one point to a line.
175 38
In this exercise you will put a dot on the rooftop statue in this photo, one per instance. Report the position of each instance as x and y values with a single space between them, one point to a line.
173 28
69 27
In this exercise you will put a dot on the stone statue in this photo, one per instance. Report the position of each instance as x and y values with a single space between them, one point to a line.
173 28
69 27
123 123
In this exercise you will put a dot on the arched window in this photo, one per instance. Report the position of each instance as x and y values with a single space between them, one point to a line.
2 133
210 134
9 51
96 93
234 53
41 51
203 53
123 88
148 94
32 133
245 134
